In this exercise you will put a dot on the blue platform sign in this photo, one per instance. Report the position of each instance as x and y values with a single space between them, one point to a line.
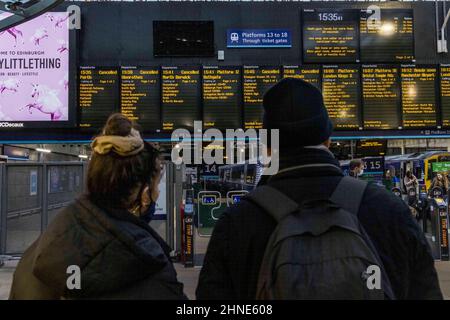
259 38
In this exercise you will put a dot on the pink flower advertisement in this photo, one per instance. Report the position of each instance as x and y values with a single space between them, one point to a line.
34 69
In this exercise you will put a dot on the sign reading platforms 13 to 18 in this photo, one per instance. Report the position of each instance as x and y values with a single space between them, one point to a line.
259 38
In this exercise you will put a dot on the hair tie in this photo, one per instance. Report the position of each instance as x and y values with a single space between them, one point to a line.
123 146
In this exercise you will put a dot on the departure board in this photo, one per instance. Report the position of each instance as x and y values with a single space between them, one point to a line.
381 96
387 35
419 83
181 95
309 73
222 97
140 96
340 89
330 35
257 80
98 95
445 94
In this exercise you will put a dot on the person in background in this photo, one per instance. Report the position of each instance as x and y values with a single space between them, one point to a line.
440 181
101 246
356 168
411 181
388 180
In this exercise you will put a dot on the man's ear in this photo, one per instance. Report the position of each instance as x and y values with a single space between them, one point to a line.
327 143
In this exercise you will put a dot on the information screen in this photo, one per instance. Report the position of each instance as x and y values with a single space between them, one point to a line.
381 96
140 96
330 35
419 83
445 95
371 148
222 97
98 95
181 95
309 73
387 35
340 88
257 80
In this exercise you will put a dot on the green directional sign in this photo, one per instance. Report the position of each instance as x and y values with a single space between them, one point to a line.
441 166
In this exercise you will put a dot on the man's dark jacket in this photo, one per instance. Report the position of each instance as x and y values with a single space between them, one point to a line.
120 257
237 245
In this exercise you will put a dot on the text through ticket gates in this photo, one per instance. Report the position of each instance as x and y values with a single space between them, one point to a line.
439 227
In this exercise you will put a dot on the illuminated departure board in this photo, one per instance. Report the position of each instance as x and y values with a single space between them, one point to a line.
257 80
387 35
419 83
381 96
181 95
222 97
98 95
340 89
330 35
445 94
140 96
309 73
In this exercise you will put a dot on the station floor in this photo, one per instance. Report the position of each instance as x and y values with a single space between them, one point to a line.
189 277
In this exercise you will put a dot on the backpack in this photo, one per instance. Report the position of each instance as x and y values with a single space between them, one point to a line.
319 250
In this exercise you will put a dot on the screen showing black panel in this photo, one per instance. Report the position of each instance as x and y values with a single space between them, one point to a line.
387 35
140 96
183 38
371 148
445 95
340 88
181 97
381 96
309 73
257 80
419 83
222 97
98 95
330 35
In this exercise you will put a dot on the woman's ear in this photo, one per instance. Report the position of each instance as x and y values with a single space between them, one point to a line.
145 197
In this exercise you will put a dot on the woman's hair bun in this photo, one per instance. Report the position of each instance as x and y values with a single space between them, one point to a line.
118 125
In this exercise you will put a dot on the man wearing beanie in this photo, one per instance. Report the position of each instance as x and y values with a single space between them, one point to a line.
309 171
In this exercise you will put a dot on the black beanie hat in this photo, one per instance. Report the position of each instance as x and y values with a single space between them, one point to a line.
296 108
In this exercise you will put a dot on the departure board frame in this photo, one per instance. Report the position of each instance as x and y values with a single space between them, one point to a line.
398 92
386 28
330 17
436 93
152 121
96 124
198 116
238 98
257 123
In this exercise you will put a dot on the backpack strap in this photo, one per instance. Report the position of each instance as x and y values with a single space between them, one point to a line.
352 202
274 202
349 200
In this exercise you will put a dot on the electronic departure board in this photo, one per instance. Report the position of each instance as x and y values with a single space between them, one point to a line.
181 97
222 97
140 96
340 89
309 73
445 94
257 80
387 35
381 96
419 83
98 95
330 35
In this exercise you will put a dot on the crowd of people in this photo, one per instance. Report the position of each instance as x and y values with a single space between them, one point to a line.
307 232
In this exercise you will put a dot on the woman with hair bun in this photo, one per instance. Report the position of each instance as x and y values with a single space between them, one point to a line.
101 246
